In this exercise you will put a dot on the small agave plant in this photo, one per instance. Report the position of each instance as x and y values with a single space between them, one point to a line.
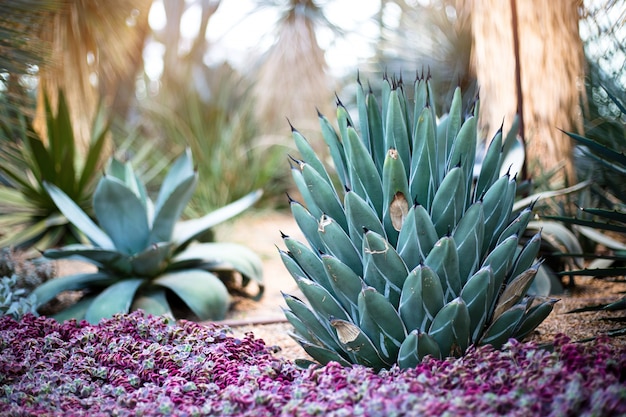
143 252
413 256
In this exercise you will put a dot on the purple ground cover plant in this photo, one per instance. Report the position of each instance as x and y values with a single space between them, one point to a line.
137 365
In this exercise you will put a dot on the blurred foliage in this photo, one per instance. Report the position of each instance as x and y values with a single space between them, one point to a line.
29 218
221 129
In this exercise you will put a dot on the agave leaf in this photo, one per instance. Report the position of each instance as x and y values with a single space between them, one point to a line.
448 204
603 151
444 260
381 322
600 237
308 224
203 292
494 208
417 237
308 155
468 236
517 226
78 218
424 174
49 289
477 294
500 260
225 257
421 299
345 284
534 317
463 154
358 343
503 327
308 261
179 173
169 210
396 134
375 123
490 166
388 263
453 127
152 261
415 348
321 300
396 197
408 356
361 104
337 243
360 217
186 231
515 291
363 172
121 215
527 256
324 195
116 298
318 331
451 328
291 265
335 146
104 259
75 311
151 301
321 354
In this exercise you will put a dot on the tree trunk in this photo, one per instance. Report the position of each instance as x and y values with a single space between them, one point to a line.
551 66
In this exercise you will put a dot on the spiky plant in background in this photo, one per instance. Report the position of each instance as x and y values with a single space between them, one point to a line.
413 257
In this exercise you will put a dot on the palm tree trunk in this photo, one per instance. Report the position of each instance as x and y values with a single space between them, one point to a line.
551 74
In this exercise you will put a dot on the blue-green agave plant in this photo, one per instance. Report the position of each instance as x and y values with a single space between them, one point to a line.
143 251
411 256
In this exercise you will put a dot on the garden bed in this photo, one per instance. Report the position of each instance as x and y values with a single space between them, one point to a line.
137 365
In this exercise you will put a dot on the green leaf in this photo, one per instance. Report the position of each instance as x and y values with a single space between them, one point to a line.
503 328
451 328
49 289
417 237
116 298
388 263
179 173
151 301
224 256
444 260
186 231
357 342
421 299
448 204
337 243
170 209
152 261
121 215
79 218
203 292
104 259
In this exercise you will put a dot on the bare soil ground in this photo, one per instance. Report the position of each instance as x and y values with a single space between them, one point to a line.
261 231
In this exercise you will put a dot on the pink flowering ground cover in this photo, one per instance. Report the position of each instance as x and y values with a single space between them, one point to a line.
136 365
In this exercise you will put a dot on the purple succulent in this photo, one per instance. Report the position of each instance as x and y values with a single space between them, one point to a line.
150 366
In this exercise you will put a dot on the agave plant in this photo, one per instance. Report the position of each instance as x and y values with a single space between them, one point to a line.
144 254
609 216
411 257
29 216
